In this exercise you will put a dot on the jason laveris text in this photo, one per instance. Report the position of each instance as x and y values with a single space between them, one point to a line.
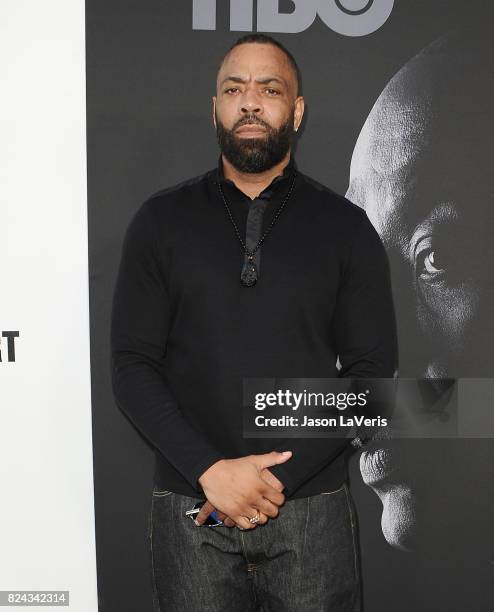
306 421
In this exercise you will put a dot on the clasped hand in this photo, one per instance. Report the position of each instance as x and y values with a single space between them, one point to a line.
238 488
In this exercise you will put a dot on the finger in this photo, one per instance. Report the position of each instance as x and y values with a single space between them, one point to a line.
272 458
269 492
243 522
229 522
204 512
243 519
271 479
268 508
263 518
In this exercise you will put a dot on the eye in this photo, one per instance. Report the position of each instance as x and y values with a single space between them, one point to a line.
231 90
431 262
272 92
434 264
445 259
429 259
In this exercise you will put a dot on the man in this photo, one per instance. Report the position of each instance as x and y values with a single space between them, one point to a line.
422 169
197 309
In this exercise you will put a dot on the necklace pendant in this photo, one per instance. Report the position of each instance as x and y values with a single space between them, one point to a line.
248 277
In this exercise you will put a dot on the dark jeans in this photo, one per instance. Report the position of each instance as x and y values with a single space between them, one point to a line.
305 560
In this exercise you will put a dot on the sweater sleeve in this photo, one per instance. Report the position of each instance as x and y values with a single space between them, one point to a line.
364 335
139 329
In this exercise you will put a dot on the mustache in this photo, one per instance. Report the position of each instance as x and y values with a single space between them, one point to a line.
251 120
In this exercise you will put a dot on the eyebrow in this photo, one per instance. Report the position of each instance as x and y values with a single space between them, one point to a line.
262 81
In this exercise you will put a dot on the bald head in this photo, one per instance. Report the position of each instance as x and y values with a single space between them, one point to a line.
284 57
429 135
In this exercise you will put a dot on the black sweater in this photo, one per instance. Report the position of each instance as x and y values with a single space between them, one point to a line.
185 332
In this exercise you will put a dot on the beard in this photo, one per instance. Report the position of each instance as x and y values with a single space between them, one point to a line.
253 155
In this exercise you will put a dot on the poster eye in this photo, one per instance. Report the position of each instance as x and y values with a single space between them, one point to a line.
437 264
432 263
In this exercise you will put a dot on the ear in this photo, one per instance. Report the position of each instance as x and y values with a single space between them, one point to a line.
299 112
214 110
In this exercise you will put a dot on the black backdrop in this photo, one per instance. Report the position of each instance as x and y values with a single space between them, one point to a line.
150 78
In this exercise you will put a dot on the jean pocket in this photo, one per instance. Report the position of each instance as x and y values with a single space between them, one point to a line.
342 488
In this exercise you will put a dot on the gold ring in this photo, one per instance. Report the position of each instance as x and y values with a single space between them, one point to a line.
255 519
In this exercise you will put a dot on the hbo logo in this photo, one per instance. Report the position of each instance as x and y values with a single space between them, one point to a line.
347 17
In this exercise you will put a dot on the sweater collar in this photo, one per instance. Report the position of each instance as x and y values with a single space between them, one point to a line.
273 188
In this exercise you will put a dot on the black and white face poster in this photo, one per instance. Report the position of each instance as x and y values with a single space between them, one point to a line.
106 103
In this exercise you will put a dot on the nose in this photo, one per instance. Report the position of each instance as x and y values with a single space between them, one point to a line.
250 102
